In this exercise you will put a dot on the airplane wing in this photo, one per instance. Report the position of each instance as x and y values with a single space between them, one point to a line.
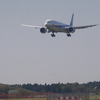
37 27
81 27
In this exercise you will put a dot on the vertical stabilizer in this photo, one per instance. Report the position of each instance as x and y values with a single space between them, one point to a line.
71 22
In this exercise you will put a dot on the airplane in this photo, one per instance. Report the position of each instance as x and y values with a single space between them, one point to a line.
55 27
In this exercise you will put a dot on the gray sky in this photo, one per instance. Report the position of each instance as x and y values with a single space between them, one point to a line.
27 56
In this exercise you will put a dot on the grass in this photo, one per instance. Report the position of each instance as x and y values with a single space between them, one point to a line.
92 97
26 99
95 97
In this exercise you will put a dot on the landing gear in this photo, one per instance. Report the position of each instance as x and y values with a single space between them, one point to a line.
53 35
69 35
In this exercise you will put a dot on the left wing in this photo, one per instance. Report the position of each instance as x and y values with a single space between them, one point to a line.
81 27
38 27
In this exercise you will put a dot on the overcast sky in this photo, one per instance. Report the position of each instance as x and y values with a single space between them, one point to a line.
27 56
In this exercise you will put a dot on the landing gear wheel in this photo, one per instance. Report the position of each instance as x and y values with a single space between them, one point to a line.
53 35
69 35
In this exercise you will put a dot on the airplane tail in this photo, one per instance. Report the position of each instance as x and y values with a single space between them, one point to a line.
71 22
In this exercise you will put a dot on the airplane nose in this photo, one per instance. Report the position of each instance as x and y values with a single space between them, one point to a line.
46 22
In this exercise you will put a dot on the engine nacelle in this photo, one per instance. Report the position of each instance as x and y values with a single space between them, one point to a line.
71 30
43 30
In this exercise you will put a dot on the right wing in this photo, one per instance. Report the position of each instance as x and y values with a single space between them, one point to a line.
81 27
37 27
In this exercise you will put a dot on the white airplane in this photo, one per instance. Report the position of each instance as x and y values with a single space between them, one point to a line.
55 27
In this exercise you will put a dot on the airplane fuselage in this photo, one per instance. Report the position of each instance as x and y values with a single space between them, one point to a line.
54 26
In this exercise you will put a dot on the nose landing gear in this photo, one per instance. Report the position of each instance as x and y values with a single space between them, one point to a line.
53 35
69 35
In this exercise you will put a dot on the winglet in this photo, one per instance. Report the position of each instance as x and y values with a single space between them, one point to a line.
71 22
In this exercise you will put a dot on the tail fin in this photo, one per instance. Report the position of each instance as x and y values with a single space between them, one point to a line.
71 22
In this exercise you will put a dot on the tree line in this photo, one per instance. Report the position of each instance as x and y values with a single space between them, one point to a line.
90 87
63 88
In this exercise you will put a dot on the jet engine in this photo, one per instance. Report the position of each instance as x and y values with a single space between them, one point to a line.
43 30
71 30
